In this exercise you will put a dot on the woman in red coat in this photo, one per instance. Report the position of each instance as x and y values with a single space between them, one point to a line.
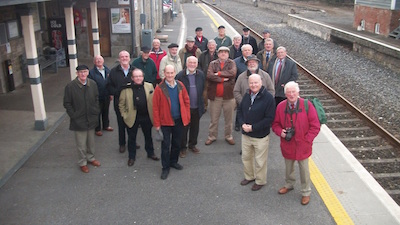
297 129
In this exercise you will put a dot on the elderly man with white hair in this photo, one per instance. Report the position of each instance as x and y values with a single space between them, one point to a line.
194 81
235 49
297 128
282 70
242 82
241 61
255 113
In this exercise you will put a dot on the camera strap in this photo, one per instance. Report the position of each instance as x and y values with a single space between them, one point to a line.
291 111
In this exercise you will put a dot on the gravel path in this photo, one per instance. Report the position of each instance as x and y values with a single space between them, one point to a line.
371 87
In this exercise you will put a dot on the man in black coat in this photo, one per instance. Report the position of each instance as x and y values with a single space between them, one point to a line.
119 77
248 39
99 74
194 81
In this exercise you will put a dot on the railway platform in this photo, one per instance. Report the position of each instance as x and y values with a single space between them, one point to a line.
42 184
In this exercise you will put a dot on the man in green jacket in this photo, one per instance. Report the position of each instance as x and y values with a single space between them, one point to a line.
81 100
147 65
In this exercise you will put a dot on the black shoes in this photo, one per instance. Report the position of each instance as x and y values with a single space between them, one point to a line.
176 166
164 174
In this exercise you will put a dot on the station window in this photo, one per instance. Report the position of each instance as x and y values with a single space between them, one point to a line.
377 26
362 24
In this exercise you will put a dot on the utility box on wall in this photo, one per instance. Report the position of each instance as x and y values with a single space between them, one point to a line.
147 38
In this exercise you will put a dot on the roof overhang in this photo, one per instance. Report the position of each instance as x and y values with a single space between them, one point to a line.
18 2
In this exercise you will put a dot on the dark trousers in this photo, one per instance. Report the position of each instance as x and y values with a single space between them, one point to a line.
171 143
193 129
278 100
237 119
121 124
103 116
145 123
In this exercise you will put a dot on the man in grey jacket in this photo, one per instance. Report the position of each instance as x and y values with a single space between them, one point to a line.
81 100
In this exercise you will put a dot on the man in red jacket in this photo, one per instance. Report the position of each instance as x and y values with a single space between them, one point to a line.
297 129
171 112
156 54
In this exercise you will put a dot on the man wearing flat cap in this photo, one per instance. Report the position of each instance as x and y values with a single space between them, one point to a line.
248 39
221 80
242 83
266 34
81 101
200 41
222 39
172 58
147 65
190 49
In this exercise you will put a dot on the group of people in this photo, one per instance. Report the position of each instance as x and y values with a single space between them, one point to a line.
171 90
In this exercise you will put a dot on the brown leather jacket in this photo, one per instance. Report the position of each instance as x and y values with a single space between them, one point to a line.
229 71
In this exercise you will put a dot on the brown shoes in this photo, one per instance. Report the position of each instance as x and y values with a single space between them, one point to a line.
95 163
195 150
246 182
99 133
109 129
131 162
209 142
230 141
305 200
85 169
256 187
122 148
182 153
284 190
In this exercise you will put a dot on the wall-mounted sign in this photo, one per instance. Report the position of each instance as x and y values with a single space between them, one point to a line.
123 2
120 20
13 30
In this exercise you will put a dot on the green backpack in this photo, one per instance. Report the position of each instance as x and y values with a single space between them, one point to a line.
318 106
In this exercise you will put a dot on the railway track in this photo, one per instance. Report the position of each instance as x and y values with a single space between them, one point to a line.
374 147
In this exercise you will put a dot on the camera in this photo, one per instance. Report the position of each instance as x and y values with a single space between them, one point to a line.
289 133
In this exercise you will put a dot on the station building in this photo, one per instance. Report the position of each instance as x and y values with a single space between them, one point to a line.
35 34
121 25
379 17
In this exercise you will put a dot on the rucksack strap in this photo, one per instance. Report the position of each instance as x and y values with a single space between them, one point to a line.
306 105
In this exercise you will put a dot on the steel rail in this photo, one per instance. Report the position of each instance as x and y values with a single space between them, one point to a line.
395 142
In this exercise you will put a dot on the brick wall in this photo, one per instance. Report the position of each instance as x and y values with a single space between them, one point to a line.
388 19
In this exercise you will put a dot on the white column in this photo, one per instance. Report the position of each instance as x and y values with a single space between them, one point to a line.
34 73
95 28
73 58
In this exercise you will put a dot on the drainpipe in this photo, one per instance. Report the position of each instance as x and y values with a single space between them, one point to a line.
133 31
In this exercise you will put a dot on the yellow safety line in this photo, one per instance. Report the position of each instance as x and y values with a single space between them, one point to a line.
333 204
211 17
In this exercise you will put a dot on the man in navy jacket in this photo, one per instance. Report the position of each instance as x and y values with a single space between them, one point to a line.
99 74
255 113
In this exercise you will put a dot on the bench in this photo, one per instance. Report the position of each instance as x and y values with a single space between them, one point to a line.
46 61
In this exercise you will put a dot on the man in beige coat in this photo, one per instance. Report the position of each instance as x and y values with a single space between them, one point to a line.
136 107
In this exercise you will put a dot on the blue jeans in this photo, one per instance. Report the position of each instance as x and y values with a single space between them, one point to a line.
172 141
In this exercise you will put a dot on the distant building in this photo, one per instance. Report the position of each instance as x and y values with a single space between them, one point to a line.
380 17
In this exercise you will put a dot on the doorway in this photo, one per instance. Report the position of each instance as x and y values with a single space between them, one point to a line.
104 31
